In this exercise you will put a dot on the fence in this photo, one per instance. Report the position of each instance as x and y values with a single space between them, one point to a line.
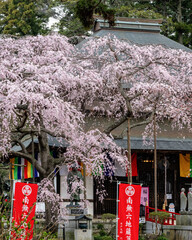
168 221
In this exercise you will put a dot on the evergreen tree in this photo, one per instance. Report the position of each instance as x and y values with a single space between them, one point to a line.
23 17
70 25
85 9
180 12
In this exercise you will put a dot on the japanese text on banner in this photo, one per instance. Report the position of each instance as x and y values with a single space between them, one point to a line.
24 211
128 211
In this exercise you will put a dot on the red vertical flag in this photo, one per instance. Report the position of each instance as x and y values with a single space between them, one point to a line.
24 210
128 211
133 165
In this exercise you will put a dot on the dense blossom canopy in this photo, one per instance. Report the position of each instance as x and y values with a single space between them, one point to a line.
48 87
138 81
43 90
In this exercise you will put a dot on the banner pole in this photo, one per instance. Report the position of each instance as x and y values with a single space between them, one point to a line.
117 216
12 199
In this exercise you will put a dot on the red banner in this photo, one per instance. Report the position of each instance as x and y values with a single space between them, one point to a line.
133 165
128 211
24 211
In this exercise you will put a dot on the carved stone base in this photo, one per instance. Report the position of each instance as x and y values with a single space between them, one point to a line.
183 212
184 219
189 212
75 209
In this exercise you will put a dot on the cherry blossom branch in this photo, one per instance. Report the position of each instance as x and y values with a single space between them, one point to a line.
26 131
135 96
51 133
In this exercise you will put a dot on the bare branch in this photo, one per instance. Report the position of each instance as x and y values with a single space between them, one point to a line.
143 122
32 160
115 124
135 96
21 145
60 160
23 121
18 114
22 106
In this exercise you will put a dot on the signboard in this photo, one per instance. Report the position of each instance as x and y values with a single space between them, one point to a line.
24 210
77 211
171 207
142 220
169 196
128 211
144 195
40 207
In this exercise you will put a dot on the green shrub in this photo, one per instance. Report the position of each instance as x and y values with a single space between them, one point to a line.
102 233
100 226
162 237
141 238
103 238
108 216
161 216
106 238
97 237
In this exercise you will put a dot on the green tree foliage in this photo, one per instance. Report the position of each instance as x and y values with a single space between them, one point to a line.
176 15
86 8
24 17
136 12
78 16
4 178
70 25
179 11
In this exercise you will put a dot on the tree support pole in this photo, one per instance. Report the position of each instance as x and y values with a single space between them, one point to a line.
155 168
33 154
155 163
129 150
85 185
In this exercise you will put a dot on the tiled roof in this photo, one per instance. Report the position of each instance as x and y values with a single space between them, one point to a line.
162 144
137 32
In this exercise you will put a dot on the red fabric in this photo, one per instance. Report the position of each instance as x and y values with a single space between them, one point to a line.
133 165
24 209
128 211
25 169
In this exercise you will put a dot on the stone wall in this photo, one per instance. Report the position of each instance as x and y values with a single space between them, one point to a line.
182 230
178 232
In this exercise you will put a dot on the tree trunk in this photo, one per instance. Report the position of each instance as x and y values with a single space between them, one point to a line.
48 165
180 20
51 216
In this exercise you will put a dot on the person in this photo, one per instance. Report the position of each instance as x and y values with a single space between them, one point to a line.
73 178
189 196
183 200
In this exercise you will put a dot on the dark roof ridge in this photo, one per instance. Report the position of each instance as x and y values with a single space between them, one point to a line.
126 19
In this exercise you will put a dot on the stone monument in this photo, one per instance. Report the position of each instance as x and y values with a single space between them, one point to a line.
189 196
183 201
183 228
73 178
74 209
